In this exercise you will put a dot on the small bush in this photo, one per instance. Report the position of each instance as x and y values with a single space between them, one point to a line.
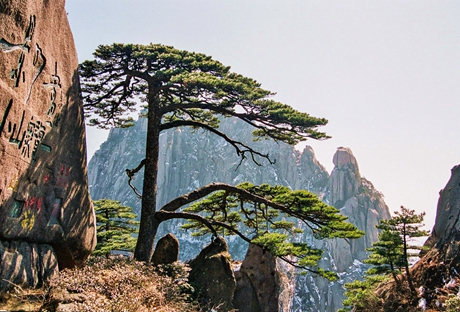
453 303
122 284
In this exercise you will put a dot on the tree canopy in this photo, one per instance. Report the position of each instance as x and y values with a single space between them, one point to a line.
187 89
116 225
407 225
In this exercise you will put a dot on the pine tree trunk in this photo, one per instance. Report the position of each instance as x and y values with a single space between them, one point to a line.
148 224
406 263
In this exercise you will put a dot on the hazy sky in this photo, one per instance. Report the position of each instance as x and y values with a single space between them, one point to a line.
384 73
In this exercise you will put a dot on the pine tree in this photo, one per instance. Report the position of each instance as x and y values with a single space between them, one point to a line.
387 255
187 89
407 225
116 226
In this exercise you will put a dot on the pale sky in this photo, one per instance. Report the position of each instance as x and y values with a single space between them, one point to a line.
384 73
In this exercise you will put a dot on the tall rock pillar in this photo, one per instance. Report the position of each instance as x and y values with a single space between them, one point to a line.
46 214
357 199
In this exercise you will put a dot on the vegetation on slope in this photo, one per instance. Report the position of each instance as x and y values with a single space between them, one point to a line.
109 284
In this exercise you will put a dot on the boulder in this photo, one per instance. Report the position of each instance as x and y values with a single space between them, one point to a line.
212 277
257 282
166 250
44 198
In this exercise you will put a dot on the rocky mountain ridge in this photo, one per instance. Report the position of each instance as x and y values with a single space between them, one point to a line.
192 158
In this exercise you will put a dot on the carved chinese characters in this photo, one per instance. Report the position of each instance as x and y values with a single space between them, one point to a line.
43 185
24 127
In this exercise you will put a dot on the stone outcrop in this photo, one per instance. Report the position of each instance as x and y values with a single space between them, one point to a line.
191 159
441 263
345 177
445 235
257 282
40 259
44 198
212 277
357 199
166 250
436 275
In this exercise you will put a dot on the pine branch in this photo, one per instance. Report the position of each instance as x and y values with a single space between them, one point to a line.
241 148
131 172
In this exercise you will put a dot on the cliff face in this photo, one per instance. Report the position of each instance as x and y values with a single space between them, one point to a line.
438 270
436 275
45 211
190 160
445 236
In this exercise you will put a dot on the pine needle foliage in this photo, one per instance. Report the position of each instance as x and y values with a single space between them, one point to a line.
387 254
406 223
116 225
361 294
270 218
175 88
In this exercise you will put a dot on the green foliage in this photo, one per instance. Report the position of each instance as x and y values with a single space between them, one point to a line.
390 254
188 86
360 294
407 224
387 254
116 225
452 304
178 88
265 213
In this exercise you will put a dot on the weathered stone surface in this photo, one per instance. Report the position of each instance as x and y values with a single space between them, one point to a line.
212 277
166 250
314 177
43 187
345 178
360 202
257 282
447 226
444 241
22 263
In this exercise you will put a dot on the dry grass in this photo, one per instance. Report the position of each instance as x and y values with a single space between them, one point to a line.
20 299
115 284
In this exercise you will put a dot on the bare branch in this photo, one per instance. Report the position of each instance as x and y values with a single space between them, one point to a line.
130 173
241 148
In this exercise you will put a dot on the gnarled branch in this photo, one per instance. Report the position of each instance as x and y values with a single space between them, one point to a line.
213 187
241 148
130 173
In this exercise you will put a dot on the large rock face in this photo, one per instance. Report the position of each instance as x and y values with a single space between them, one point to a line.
446 231
189 160
44 197
440 266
